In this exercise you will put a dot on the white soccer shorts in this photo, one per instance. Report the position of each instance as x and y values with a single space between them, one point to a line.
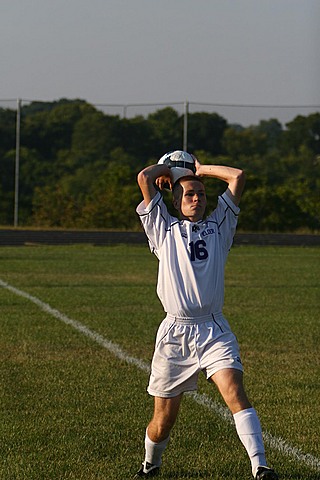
185 347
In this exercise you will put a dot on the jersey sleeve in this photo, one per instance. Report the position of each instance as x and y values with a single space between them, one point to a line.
225 216
156 221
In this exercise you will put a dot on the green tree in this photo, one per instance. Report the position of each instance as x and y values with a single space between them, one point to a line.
95 135
205 132
54 207
135 136
270 209
272 132
112 201
7 130
78 166
303 131
166 131
49 130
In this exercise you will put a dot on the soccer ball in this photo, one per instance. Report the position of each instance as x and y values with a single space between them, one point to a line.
181 163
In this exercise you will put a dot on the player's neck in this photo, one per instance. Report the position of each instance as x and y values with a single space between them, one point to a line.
192 219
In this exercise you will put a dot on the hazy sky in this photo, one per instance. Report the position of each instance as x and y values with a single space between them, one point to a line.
149 51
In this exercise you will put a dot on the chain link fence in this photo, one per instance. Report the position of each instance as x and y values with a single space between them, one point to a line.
244 115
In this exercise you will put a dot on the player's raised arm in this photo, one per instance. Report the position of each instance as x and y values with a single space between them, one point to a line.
234 177
155 175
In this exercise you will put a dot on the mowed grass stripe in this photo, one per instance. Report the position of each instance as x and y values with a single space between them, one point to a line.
274 442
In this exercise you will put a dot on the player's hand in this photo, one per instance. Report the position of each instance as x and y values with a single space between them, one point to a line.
165 181
198 167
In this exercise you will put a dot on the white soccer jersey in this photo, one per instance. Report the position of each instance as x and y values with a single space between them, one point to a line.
191 256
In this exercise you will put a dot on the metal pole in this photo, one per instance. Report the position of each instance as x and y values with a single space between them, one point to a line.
16 179
185 126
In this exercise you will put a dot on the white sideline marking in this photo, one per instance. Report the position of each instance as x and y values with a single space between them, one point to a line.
107 344
277 443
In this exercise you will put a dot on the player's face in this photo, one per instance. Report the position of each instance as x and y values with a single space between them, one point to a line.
193 200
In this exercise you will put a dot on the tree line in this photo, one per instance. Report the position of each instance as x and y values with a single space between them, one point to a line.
78 166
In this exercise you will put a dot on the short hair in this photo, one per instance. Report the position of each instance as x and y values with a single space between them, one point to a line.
177 188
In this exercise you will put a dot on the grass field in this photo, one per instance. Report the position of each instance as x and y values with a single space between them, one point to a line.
73 399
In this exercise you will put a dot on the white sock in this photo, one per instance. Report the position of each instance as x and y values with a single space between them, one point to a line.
249 430
154 450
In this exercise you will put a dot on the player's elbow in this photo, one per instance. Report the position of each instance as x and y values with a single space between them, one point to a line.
143 178
237 184
240 178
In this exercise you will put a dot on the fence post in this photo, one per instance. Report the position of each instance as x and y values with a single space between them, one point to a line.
17 166
185 126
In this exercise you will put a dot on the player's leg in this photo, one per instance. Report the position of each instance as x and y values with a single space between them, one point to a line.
158 433
164 416
230 384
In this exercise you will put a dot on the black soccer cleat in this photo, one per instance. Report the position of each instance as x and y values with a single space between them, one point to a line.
147 470
264 473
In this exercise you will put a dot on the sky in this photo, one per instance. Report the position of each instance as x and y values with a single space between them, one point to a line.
225 52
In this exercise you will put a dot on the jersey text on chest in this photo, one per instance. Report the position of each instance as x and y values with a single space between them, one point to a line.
208 231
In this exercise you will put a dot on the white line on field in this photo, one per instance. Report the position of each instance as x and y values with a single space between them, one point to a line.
277 443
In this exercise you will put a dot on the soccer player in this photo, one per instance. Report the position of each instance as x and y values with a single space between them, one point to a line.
194 336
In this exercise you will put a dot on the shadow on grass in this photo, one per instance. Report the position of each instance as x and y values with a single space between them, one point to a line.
204 474
311 476
188 474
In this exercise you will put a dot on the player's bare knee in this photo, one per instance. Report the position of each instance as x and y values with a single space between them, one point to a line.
236 399
233 394
159 429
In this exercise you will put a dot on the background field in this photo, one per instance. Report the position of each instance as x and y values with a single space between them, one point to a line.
71 409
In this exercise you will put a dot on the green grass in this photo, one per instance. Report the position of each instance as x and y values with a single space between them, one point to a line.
72 410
